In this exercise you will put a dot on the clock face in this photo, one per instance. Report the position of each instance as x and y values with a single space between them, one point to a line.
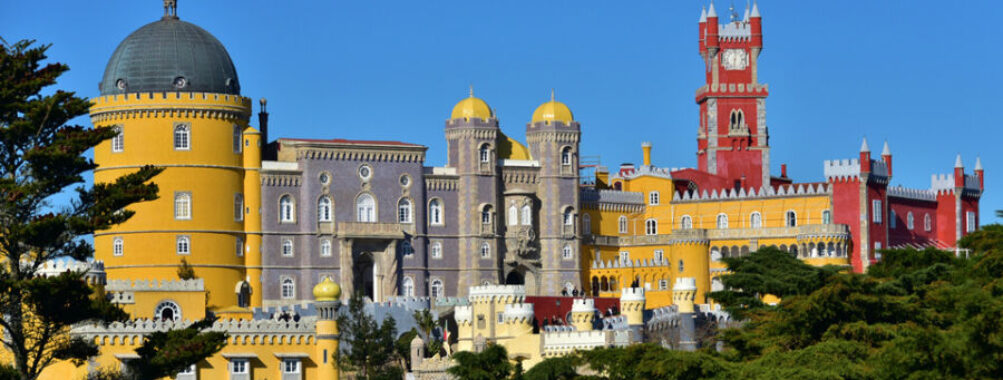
735 59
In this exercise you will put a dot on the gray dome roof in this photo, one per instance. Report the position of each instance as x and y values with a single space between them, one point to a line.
170 55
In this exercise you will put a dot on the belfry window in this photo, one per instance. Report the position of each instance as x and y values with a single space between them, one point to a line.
182 137
486 215
566 156
737 119
569 217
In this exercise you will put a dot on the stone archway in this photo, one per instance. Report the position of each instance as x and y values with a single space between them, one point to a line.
363 273
515 278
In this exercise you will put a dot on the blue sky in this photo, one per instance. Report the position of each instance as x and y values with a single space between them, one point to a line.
925 76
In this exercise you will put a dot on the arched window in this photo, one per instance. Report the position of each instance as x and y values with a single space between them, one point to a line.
567 252
927 222
527 215
622 224
436 250
756 220
404 211
909 221
365 207
182 137
237 137
485 251
737 119
891 219
651 227
325 248
566 156
435 288
715 254
586 223
792 218
324 209
435 212
407 287
686 222
485 153
513 215
653 198
486 215
183 245
182 205
287 247
287 209
238 207
118 247
826 217
722 221
167 311
288 288
118 142
569 216
624 257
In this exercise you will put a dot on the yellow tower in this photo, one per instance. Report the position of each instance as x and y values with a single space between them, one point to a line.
683 294
326 295
690 259
583 312
172 92
632 305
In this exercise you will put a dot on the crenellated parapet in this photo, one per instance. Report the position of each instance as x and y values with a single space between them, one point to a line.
173 105
497 294
914 194
566 342
518 313
764 192
194 285
93 271
612 200
241 332
464 315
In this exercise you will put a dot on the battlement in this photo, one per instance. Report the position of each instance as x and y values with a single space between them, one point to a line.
583 305
491 293
589 195
140 98
916 194
754 89
632 295
644 170
685 284
562 342
195 285
246 331
945 182
463 314
519 312
638 263
410 303
93 271
734 31
850 169
752 193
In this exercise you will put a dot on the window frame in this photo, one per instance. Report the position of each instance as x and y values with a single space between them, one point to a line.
182 141
366 215
877 211
654 198
238 139
117 246
651 226
288 248
485 251
435 212
325 209
686 222
435 250
244 366
567 252
407 287
790 218
436 288
239 246
287 209
183 241
722 221
183 212
118 141
287 283
910 221
325 243
286 366
755 219
238 207
622 224
405 211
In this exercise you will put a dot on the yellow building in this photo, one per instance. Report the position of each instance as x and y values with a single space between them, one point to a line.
645 232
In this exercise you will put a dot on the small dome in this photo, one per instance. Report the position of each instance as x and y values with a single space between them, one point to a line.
472 107
510 149
326 290
553 111
170 55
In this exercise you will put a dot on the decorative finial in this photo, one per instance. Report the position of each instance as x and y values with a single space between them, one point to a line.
551 94
471 91
171 9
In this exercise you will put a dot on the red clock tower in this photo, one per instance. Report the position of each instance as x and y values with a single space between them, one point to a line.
732 142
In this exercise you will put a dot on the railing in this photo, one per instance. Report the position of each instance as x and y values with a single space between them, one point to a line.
374 230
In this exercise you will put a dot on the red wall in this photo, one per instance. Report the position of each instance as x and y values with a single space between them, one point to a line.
901 234
846 210
549 307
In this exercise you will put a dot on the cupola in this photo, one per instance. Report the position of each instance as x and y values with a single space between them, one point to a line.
553 111
472 107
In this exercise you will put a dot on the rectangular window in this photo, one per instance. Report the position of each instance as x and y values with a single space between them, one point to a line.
653 198
970 225
501 317
238 366
118 142
291 366
118 246
876 210
239 247
182 205
659 255
238 207
237 136
891 219
182 136
624 256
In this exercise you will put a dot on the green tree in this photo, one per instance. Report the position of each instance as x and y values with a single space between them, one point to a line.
766 271
42 160
490 364
165 353
185 270
555 368
368 347
426 322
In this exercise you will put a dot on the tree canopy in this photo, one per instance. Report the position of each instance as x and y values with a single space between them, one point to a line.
368 348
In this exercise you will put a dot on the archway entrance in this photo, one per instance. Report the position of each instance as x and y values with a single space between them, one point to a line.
364 275
514 278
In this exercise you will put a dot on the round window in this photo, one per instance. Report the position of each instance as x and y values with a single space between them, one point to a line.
120 84
365 172
405 180
180 82
324 178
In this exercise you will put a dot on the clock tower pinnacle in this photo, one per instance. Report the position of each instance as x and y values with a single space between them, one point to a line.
732 139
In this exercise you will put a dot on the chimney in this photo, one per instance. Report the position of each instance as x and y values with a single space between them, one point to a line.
646 149
263 121
783 170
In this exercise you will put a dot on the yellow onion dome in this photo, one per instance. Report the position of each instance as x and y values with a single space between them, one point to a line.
327 290
472 107
553 111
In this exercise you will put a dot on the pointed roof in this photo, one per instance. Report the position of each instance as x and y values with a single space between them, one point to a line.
885 151
746 11
978 163
755 10
703 14
710 11
957 162
864 147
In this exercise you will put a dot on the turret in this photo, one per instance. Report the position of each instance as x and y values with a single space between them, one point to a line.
959 173
702 43
519 317
865 157
756 26
583 313
417 351
646 149
886 156
979 173
711 27
326 295
632 305
683 294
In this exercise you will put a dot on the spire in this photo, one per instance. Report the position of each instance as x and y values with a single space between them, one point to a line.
471 91
885 151
710 11
746 11
552 94
957 162
703 14
732 15
864 147
755 10
978 163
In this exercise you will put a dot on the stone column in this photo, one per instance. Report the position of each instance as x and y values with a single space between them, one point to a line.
347 263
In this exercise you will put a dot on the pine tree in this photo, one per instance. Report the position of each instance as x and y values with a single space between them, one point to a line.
368 347
42 159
